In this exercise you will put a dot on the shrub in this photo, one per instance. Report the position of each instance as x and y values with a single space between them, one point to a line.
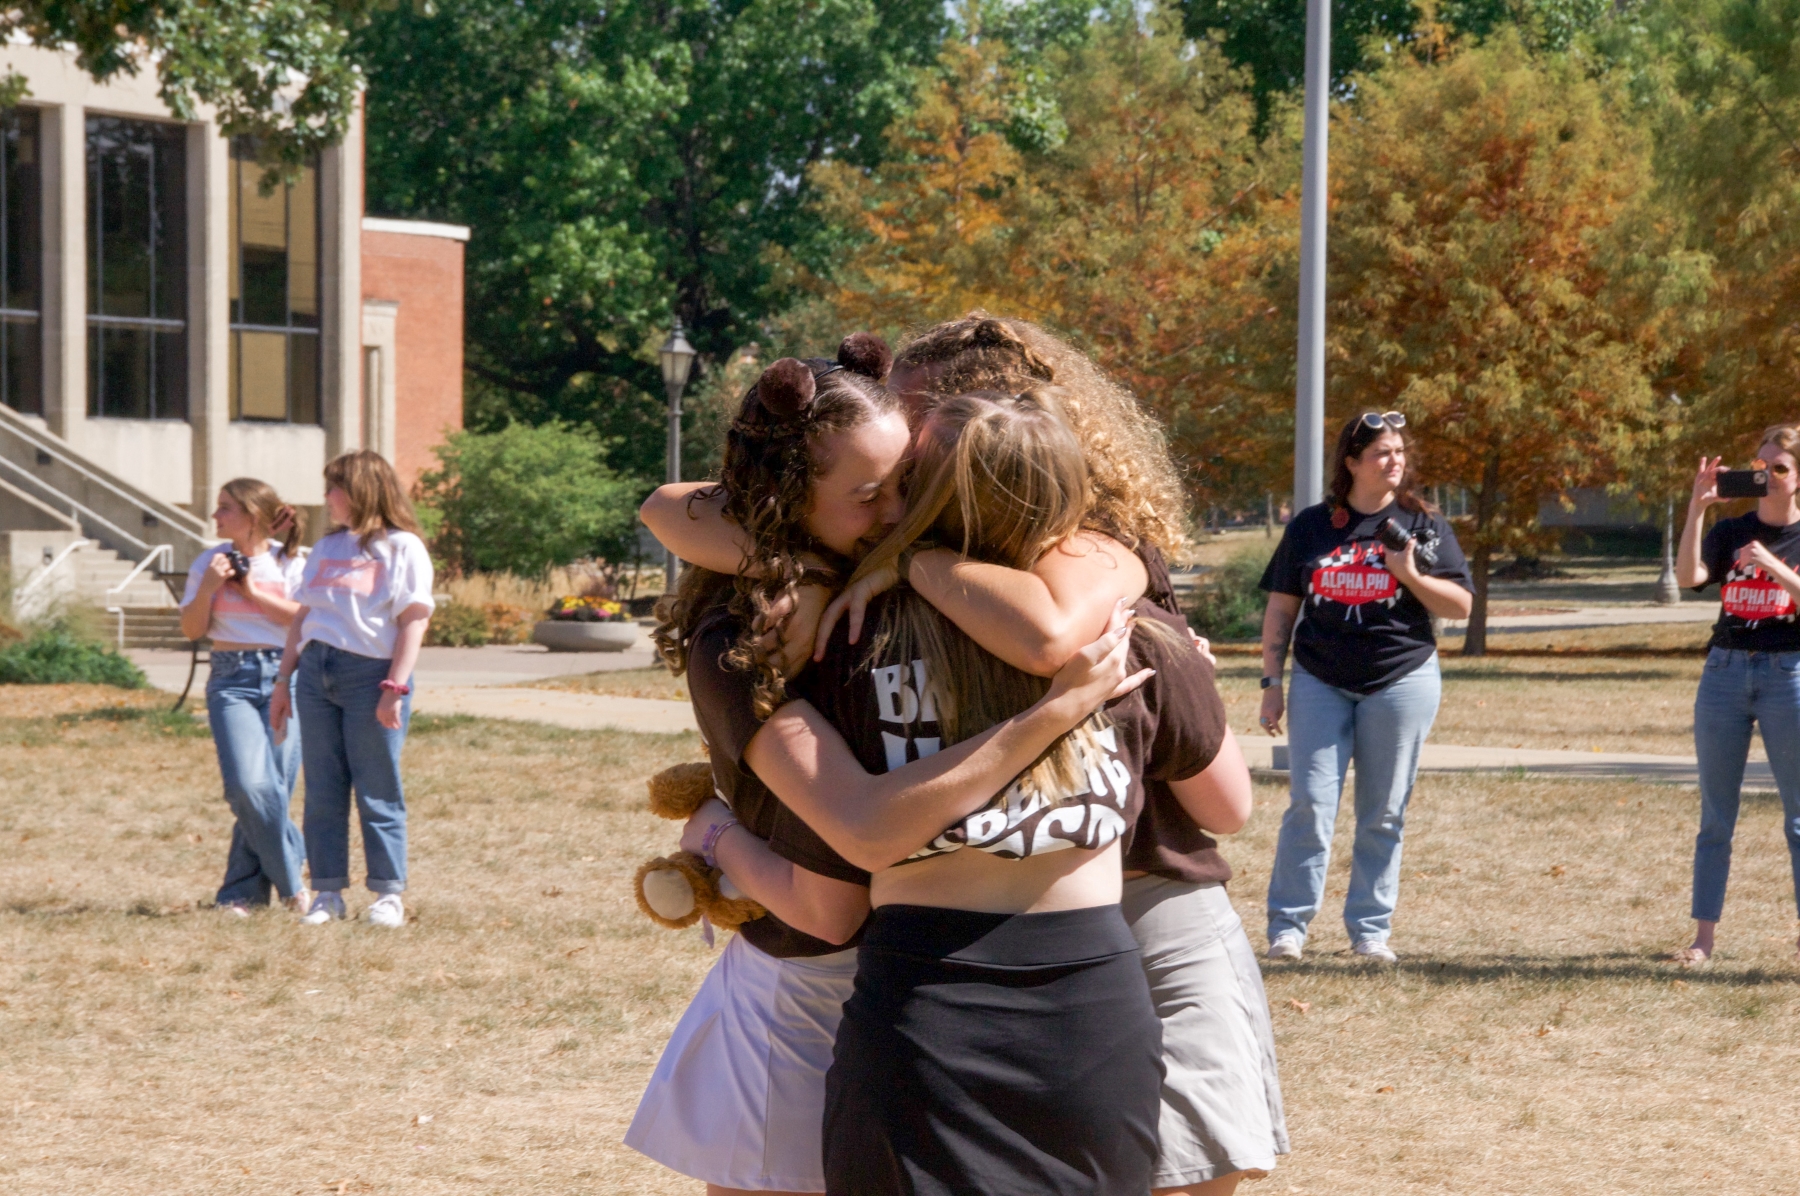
525 499
1229 605
508 623
454 625
56 655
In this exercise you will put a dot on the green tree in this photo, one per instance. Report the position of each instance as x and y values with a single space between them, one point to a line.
274 69
621 164
525 499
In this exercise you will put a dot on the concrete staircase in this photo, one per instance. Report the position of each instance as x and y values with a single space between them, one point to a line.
97 570
151 627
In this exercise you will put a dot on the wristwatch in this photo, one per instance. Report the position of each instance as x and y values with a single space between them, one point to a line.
1268 682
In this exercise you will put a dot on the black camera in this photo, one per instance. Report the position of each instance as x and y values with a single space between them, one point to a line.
240 564
1396 538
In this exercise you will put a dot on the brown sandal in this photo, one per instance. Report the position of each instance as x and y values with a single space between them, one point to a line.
1690 957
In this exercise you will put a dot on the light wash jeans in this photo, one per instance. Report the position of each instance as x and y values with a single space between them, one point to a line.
259 774
1384 732
336 695
1736 690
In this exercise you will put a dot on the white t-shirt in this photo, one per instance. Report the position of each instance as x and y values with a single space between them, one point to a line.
354 595
236 619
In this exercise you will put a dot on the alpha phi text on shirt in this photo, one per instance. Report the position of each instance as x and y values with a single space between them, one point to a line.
1354 575
1024 819
1752 595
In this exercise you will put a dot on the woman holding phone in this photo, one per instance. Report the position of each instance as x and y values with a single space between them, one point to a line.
1752 673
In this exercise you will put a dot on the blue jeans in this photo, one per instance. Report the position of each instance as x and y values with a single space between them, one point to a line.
1737 689
335 697
1328 726
259 774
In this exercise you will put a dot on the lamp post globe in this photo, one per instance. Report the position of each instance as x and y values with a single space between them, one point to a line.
677 359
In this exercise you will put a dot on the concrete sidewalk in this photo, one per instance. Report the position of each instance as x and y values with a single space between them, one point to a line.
583 712
1271 755
495 664
1596 616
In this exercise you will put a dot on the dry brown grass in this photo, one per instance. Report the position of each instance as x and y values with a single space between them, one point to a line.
652 682
155 1047
1533 1040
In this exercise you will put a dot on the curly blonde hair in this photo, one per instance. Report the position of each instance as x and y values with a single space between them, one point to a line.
1138 494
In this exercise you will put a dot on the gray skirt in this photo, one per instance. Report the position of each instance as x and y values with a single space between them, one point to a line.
1221 1096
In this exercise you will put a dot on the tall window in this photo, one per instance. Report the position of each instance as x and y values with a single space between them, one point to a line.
274 293
21 257
137 268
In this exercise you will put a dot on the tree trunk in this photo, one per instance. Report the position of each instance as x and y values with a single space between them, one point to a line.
1475 640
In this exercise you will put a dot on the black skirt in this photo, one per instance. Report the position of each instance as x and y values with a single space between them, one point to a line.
1009 1055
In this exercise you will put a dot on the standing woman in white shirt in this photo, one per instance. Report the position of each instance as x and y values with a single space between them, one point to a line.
245 606
365 601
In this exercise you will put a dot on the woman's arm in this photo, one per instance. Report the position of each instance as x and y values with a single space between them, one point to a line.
196 616
817 905
875 820
412 621
279 701
1279 617
1758 554
698 533
1689 572
1445 599
1218 796
1033 621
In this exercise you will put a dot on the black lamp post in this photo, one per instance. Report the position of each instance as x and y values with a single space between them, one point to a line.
677 358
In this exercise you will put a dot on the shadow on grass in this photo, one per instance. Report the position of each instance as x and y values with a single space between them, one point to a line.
1613 965
167 722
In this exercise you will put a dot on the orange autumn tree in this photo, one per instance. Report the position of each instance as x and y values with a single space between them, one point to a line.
1492 275
925 220
1145 237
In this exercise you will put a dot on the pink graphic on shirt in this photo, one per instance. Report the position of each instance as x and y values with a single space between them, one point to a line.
1751 595
232 601
1356 573
359 576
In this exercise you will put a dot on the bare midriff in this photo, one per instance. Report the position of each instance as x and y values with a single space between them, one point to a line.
224 647
1074 878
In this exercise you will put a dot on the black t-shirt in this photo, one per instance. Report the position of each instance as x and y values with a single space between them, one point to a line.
728 722
1359 629
1169 728
1755 614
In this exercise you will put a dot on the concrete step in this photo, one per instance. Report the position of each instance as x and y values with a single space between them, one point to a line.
151 627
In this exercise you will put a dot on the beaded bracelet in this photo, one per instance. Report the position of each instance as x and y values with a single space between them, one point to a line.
711 842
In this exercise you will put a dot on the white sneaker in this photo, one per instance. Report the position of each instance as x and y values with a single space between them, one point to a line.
387 911
326 906
1377 950
1286 945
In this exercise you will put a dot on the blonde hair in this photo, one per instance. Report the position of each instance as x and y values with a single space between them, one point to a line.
266 511
1137 492
377 503
1785 437
1001 479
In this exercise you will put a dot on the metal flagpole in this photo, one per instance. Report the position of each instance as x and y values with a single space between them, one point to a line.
1309 390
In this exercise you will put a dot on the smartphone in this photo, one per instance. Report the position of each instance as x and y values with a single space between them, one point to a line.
1743 483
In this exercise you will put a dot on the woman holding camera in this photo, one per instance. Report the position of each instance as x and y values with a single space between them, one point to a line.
1752 673
1362 574
240 595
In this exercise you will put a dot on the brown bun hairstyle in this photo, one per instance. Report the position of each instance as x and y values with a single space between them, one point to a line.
772 455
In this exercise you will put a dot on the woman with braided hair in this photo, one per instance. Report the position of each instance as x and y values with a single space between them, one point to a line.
811 467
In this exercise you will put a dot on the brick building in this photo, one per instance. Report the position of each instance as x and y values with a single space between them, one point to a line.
165 326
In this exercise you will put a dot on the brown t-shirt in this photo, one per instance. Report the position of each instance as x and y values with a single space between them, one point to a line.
1169 728
728 722
1166 841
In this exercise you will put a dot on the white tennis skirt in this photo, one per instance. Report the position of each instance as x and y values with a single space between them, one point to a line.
1221 1095
738 1097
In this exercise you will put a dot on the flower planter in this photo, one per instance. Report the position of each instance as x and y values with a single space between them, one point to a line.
561 635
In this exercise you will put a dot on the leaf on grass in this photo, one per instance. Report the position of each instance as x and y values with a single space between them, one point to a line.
1302 1006
195 839
1545 1029
553 891
235 995
421 1119
1387 1088
1557 870
1680 983
574 953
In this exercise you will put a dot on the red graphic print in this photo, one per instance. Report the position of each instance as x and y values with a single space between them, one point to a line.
1756 597
1353 575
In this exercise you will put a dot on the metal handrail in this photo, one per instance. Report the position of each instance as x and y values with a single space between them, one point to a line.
98 479
162 552
76 509
43 575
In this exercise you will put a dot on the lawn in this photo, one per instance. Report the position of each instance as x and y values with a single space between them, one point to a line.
1532 1039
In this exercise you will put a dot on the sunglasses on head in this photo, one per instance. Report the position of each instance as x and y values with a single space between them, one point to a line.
1778 469
1391 419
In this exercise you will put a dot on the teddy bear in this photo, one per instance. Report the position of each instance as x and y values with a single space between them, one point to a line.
678 890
